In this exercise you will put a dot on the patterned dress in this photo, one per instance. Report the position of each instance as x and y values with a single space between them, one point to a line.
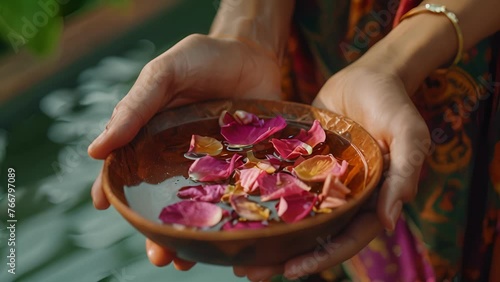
451 231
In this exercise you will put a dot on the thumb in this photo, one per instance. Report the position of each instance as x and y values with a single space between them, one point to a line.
408 149
146 97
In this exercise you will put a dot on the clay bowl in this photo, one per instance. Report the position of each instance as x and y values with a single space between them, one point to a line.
145 175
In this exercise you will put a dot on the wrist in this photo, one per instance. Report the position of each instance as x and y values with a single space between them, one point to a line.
262 23
416 47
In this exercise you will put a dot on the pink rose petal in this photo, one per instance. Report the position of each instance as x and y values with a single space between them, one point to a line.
204 145
248 179
317 168
334 193
238 225
340 169
296 207
204 193
263 164
247 134
209 168
240 117
281 206
278 185
192 214
331 203
290 149
334 187
314 136
249 210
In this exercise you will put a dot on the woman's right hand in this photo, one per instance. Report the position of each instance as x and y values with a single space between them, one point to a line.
198 68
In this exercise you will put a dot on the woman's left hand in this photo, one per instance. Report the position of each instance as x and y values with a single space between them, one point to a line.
371 93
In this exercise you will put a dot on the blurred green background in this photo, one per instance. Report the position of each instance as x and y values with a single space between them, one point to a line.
45 130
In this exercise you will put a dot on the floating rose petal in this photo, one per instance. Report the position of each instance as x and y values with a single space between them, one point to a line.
238 225
275 161
290 149
296 207
331 203
314 136
289 168
281 206
340 169
248 179
317 168
201 145
278 185
232 190
240 117
334 187
192 214
204 193
265 164
243 117
247 134
249 210
209 168
321 210
334 193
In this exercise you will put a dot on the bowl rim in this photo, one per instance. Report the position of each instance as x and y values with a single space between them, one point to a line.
138 220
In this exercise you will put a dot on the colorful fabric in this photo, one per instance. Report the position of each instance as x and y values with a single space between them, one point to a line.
452 229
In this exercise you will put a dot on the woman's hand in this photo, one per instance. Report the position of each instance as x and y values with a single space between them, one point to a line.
371 93
197 68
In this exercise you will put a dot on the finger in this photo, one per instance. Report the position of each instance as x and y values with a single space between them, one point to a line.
143 100
98 197
355 237
384 148
183 265
240 271
258 273
158 255
408 150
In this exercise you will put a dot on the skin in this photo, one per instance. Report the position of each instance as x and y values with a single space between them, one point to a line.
373 91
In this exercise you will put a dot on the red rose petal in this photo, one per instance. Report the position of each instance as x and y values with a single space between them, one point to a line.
240 117
296 207
192 214
290 149
236 133
314 136
278 185
204 193
209 168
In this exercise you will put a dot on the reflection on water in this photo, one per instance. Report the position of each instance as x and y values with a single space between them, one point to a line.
60 236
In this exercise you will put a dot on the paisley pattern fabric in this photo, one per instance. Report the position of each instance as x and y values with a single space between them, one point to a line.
451 231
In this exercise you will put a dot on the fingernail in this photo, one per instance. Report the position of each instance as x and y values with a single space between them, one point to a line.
395 213
150 253
97 141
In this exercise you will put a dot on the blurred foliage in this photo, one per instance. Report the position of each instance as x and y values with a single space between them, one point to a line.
37 24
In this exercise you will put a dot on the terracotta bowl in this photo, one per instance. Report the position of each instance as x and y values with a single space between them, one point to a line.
144 176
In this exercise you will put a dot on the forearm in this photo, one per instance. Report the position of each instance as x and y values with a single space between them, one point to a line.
262 22
424 42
